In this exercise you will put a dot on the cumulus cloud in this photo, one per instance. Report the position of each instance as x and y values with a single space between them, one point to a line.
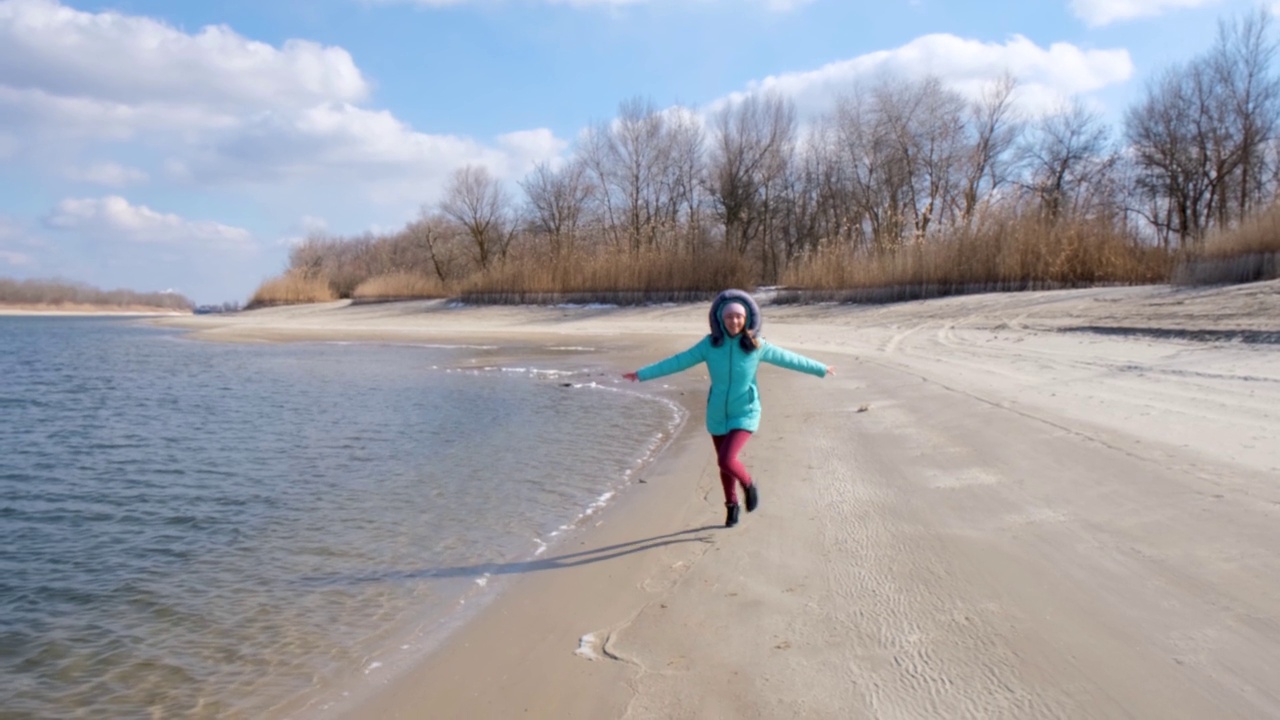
370 149
115 218
1104 12
1046 75
70 74
218 108
526 148
134 60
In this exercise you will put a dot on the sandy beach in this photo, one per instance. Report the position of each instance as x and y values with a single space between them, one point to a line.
1034 505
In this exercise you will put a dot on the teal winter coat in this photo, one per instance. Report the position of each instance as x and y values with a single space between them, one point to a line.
734 400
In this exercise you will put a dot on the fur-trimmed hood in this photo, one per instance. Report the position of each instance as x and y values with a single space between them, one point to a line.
754 320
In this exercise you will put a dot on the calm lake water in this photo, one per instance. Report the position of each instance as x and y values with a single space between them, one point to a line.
192 529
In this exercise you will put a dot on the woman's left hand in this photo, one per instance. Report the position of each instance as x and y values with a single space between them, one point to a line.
831 370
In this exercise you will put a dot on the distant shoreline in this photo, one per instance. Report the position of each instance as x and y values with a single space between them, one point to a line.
85 309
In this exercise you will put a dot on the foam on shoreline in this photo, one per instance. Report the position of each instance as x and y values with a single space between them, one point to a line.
429 634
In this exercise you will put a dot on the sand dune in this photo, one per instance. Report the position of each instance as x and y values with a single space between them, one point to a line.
1035 505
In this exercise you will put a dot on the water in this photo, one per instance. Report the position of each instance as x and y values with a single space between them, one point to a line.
196 529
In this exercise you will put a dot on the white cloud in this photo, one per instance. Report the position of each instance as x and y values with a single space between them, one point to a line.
15 259
1046 76
219 108
134 60
369 150
1104 12
311 223
114 218
526 148
776 5
108 173
13 237
306 226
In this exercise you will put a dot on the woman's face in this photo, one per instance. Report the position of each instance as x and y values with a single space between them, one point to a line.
734 321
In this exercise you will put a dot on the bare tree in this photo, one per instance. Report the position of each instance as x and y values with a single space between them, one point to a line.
903 147
1241 63
1068 157
993 129
866 189
632 160
433 235
477 201
926 124
751 146
684 171
1203 135
558 204
1174 140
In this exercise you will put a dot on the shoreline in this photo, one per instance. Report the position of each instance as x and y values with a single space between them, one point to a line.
988 509
565 578
62 310
581 541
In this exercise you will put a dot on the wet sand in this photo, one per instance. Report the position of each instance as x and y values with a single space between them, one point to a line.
1033 505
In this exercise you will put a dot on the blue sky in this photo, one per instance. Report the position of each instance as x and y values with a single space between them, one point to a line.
163 144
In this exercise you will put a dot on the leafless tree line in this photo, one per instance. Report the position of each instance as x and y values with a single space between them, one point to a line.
60 292
896 164
1203 140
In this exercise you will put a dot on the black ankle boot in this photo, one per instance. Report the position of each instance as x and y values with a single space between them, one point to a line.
731 517
753 497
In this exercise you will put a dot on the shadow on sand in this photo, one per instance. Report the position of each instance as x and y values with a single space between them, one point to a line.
585 557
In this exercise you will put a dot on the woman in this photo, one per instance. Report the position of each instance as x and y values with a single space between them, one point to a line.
732 353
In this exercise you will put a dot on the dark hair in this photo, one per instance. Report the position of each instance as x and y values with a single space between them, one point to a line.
747 340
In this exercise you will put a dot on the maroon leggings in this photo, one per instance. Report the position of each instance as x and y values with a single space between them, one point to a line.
732 471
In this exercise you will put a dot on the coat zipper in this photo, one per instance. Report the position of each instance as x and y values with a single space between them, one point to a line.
728 389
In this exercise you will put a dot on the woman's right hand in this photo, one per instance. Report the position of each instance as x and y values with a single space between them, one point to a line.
631 376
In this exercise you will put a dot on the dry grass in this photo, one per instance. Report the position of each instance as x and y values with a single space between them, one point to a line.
612 276
1005 254
398 286
292 288
1247 253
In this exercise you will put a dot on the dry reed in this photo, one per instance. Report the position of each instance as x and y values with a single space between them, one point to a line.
1248 252
292 288
612 276
1004 254
398 286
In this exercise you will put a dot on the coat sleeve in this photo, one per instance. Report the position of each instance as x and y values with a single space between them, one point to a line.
775 355
675 363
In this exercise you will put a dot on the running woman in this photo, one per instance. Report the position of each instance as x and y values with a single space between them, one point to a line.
732 351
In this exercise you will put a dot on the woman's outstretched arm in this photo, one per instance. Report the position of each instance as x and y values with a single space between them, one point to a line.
775 355
674 364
